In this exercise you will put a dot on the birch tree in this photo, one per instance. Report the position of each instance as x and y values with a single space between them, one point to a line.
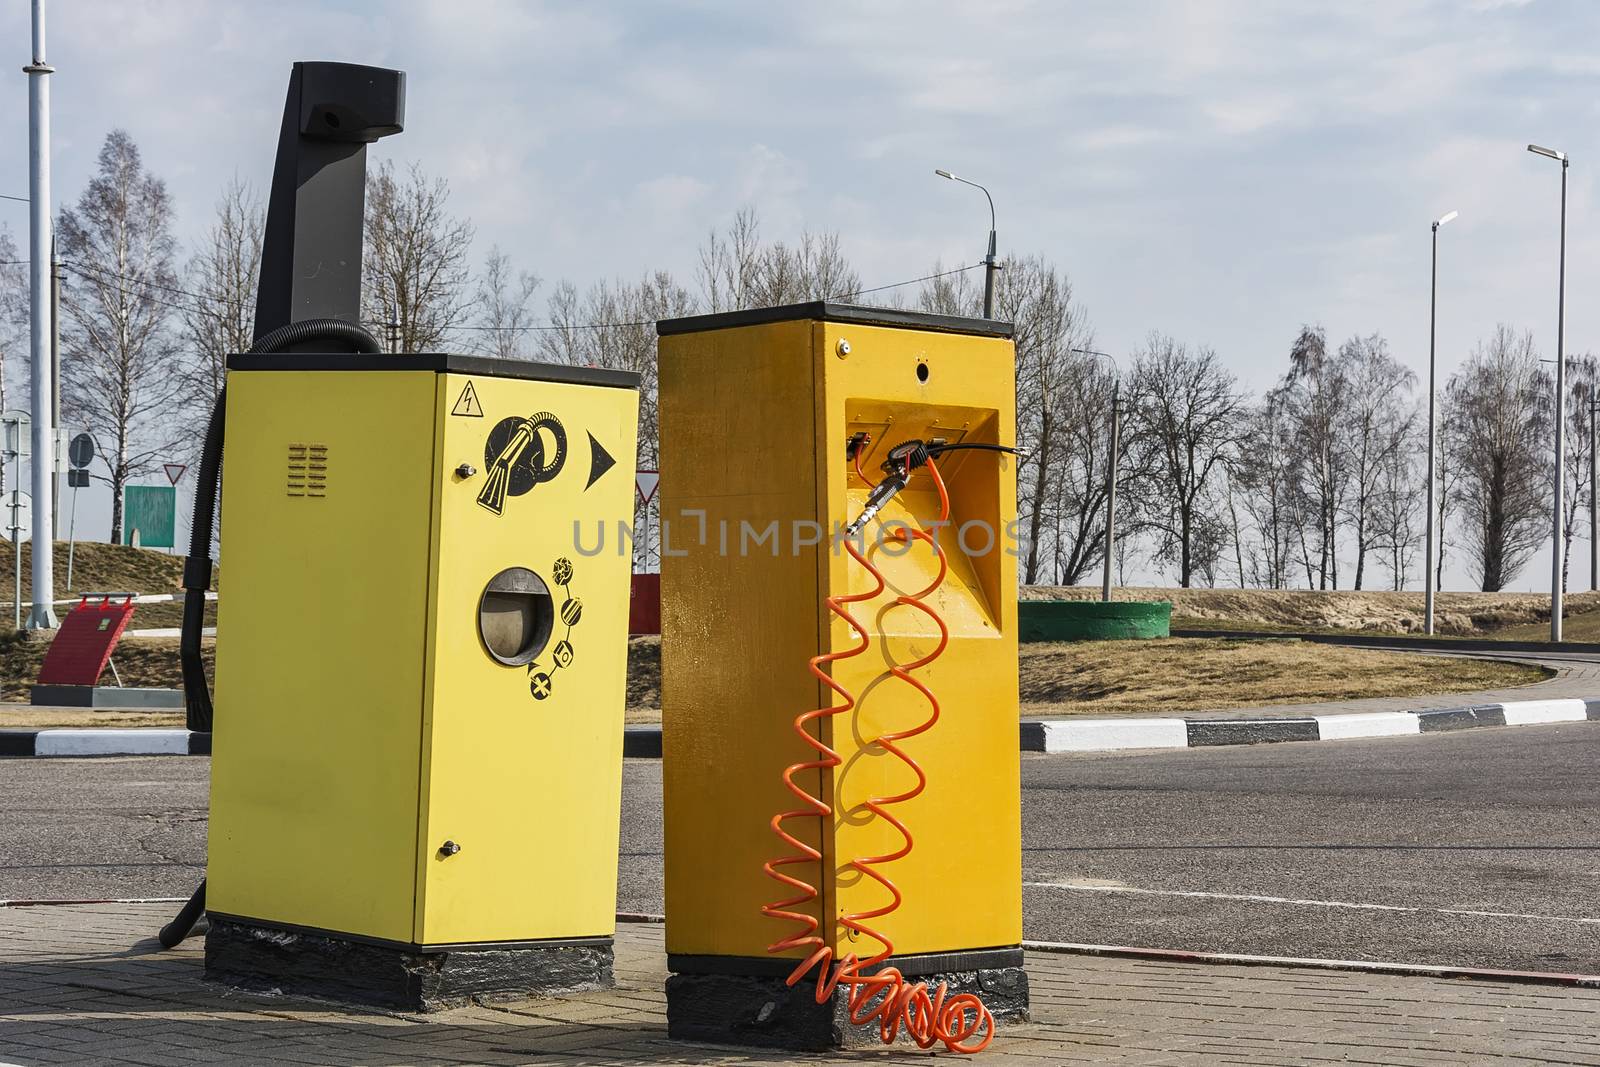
1498 426
218 316
414 268
117 351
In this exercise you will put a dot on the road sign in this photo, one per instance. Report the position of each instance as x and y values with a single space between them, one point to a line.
14 438
81 450
646 482
149 515
77 478
174 471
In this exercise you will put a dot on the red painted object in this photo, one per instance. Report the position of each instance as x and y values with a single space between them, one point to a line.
644 605
85 641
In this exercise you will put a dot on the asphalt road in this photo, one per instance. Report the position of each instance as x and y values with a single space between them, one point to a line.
1473 849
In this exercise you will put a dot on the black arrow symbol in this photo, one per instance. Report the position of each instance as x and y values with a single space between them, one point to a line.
600 461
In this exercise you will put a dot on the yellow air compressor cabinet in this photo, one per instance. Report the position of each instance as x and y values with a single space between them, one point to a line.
757 409
420 667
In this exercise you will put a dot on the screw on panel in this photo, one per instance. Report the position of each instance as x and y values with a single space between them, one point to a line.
448 849
466 470
843 348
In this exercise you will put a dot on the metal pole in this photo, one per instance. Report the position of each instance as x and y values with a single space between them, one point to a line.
1111 488
41 324
991 268
1558 552
1433 305
72 527
55 393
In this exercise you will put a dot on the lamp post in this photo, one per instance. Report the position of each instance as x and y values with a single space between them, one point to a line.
41 324
991 264
1433 436
1557 546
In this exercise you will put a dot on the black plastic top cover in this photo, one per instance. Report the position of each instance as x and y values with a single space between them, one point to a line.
350 102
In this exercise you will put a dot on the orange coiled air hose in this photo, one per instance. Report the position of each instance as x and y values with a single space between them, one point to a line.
961 1022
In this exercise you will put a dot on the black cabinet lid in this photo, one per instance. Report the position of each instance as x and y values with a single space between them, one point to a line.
441 362
827 311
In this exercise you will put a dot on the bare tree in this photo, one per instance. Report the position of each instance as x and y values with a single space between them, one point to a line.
951 292
613 326
1498 422
1314 398
504 300
1185 421
1266 476
737 270
1578 458
1399 509
13 322
1377 417
219 315
117 353
414 268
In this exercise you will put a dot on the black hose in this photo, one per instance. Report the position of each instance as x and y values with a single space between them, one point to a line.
299 333
174 932
197 568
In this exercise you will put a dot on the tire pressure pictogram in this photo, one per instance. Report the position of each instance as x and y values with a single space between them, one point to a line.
541 681
519 454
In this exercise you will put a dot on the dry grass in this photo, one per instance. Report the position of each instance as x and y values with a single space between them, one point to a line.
43 718
143 662
1463 614
1192 674
1090 678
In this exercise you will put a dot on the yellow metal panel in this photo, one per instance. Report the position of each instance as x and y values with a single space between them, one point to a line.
961 883
320 649
737 422
754 422
523 764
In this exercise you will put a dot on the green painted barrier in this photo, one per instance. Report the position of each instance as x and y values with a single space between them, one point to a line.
1093 620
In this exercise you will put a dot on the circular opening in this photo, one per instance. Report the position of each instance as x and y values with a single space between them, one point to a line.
922 372
331 119
515 616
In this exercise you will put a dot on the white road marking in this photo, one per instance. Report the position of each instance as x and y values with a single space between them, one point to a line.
1097 735
1527 712
1370 724
1255 898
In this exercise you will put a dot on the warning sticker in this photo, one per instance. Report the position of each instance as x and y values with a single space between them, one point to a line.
467 403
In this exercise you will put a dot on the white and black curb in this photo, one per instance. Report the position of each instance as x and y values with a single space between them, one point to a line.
104 742
1047 735
1106 735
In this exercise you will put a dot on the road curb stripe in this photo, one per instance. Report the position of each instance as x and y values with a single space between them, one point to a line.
1586 981
1053 736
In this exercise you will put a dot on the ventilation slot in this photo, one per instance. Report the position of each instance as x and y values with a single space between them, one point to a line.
308 471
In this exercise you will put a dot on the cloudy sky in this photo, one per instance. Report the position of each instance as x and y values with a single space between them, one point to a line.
1216 169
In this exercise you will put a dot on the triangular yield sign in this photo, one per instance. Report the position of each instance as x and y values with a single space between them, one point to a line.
467 404
174 471
600 461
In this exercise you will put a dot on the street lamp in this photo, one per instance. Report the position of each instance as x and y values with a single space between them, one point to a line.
1433 308
991 265
1558 549
1111 468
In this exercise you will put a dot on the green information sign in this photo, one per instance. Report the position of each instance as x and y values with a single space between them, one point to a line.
149 515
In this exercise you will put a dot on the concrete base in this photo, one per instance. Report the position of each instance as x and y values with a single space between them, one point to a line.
761 1010
249 955
105 696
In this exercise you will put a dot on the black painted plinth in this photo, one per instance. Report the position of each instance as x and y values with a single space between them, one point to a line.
761 1010
268 959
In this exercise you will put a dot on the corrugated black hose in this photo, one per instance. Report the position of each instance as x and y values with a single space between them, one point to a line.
198 567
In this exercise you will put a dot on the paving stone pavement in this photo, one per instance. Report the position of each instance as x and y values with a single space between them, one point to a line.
86 984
